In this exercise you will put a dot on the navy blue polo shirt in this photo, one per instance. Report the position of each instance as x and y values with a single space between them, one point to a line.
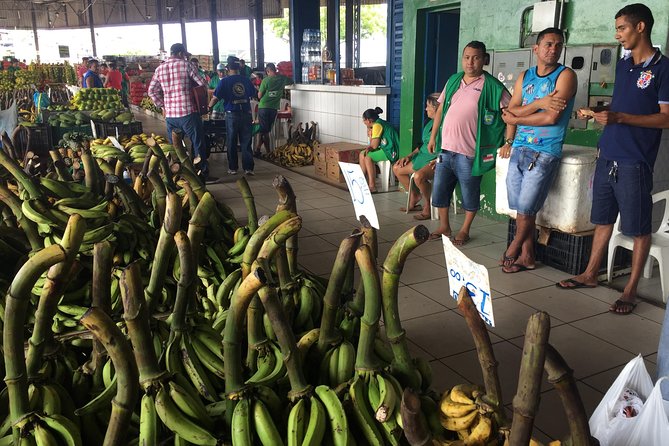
235 91
638 90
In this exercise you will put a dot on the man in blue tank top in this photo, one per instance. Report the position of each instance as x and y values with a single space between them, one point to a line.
540 107
628 148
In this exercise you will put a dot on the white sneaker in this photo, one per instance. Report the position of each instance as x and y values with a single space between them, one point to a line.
232 172
197 160
249 173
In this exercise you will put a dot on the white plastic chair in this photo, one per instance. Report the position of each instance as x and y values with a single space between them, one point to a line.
387 176
659 246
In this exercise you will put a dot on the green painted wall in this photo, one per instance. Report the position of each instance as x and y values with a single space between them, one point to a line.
497 23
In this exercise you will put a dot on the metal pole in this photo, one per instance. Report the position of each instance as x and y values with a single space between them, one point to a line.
213 17
349 33
252 40
34 20
159 19
92 27
336 51
260 35
331 23
182 20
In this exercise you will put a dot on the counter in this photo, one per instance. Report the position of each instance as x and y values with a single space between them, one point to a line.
337 109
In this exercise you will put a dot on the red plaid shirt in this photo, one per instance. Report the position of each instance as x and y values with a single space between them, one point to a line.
170 87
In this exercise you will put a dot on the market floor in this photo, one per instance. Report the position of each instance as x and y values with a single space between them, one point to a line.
595 343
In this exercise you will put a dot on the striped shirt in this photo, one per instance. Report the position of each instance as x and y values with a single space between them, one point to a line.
170 87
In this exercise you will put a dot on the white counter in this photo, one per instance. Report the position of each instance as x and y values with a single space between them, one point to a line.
337 109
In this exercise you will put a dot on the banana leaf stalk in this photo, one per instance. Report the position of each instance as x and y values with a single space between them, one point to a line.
136 318
16 308
414 424
288 286
8 218
192 198
187 167
160 158
131 201
485 353
562 378
185 284
19 175
526 401
160 192
164 248
403 365
93 174
29 227
369 237
332 298
287 201
59 165
199 222
365 360
120 352
103 254
258 238
247 196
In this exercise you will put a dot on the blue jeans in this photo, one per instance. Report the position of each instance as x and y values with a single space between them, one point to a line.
663 355
530 175
450 169
191 126
238 125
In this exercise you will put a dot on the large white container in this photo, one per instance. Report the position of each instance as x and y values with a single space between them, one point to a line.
567 207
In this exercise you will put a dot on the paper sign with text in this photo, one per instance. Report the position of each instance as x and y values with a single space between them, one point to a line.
462 271
93 130
360 193
115 143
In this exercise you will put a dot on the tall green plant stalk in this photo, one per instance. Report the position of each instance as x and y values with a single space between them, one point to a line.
369 238
160 160
132 202
187 277
159 190
199 222
127 376
526 401
164 248
28 226
485 353
332 298
16 308
287 201
403 366
59 166
103 256
247 196
19 175
365 360
258 238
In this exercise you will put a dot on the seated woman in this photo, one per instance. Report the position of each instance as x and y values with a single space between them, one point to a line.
383 145
420 162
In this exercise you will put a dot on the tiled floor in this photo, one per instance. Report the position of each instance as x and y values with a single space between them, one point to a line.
595 343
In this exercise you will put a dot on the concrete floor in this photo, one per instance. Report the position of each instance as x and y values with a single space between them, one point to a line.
595 343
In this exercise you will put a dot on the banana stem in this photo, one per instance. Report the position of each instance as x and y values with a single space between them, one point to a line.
255 332
19 175
29 227
199 222
286 283
562 378
103 255
414 424
160 190
369 322
526 401
136 318
258 238
131 200
187 276
120 352
486 355
187 168
369 236
159 155
59 166
247 196
332 298
164 248
392 268
287 201
93 175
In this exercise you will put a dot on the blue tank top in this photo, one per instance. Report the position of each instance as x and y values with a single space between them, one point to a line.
548 138
97 82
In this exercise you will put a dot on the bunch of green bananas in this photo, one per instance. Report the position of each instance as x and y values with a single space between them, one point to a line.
45 430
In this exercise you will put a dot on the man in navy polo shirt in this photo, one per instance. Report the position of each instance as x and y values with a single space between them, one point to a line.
628 148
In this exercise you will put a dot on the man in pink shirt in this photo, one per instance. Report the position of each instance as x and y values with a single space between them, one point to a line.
469 118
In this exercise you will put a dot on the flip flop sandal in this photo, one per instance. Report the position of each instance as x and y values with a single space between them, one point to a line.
416 208
458 242
507 261
625 306
436 236
519 268
421 217
574 284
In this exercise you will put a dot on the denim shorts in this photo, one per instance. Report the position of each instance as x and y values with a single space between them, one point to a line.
628 191
527 188
450 169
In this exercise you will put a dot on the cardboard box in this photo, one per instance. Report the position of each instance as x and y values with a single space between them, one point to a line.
343 151
321 170
334 173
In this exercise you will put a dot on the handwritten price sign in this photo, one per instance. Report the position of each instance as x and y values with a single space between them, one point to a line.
360 194
462 271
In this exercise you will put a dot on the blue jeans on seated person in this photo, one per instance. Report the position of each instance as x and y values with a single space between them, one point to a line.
238 125
451 168
529 178
191 126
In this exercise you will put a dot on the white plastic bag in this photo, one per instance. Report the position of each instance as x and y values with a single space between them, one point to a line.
652 426
604 425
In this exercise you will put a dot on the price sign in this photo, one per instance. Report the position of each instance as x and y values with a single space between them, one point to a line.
462 271
95 132
63 51
360 193
115 143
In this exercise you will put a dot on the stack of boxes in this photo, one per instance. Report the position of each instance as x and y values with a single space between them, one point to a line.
328 156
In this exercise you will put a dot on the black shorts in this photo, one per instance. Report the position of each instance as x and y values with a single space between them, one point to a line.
266 117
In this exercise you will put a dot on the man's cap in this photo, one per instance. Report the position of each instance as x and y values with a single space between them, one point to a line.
177 48
234 65
232 59
270 66
220 67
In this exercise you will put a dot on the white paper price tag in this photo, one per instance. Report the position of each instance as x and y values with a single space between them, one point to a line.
115 143
360 193
462 271
95 133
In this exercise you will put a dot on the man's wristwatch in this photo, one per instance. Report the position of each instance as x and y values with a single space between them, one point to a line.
508 142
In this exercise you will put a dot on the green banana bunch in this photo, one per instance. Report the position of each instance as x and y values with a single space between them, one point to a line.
338 365
62 189
338 424
48 430
252 419
307 423
182 359
270 365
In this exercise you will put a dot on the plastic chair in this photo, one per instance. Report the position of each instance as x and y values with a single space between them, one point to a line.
387 177
659 246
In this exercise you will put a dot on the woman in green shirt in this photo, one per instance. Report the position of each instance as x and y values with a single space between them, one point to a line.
420 162
383 145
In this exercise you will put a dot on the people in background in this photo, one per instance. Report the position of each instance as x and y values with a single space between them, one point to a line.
270 94
470 122
200 70
91 78
170 89
628 149
218 111
244 70
236 92
421 164
383 145
103 71
114 77
81 70
543 98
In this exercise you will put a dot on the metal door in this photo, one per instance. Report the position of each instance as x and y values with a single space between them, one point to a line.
507 65
579 59
604 58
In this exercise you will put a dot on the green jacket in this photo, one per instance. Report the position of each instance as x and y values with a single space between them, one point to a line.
490 128
389 141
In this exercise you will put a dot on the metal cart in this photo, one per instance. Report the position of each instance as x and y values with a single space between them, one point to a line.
215 135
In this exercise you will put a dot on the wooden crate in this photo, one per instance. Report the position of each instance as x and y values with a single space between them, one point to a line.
320 160
334 173
342 151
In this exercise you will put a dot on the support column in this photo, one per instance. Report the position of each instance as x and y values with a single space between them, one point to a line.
349 33
252 40
260 36
332 8
303 14
213 18
182 21
336 51
34 20
91 25
159 19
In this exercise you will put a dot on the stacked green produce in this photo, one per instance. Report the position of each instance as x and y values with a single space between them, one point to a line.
68 119
97 99
6 80
26 78
113 115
